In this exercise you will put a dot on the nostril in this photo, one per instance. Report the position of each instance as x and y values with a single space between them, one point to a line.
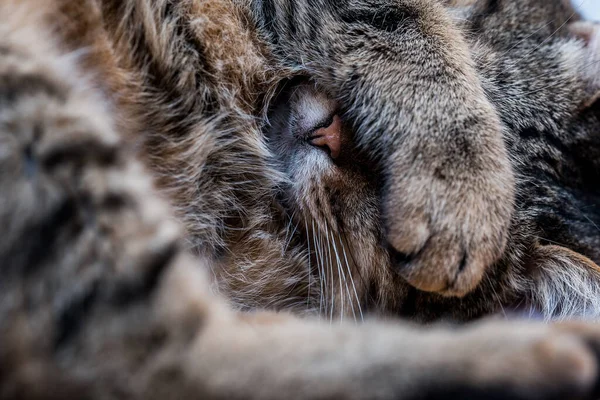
329 137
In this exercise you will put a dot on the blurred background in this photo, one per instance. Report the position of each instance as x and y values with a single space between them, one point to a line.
589 8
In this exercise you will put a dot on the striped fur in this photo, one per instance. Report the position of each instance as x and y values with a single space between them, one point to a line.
133 164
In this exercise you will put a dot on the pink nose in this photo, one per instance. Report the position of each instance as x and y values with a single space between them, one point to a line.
330 137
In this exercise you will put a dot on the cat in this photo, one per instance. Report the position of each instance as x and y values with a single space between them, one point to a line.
100 296
539 65
227 197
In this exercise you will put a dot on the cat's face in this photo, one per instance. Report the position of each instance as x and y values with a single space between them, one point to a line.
332 192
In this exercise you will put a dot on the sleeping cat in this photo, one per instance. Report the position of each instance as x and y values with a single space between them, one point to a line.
539 65
100 296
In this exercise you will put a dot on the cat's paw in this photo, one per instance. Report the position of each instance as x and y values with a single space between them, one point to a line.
527 361
447 212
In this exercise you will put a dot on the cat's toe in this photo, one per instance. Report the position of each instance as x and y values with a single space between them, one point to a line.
441 265
530 362
443 235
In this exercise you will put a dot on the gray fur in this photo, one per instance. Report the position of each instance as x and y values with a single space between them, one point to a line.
134 159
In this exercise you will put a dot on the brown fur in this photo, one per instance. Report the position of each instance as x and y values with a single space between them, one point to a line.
100 296
218 180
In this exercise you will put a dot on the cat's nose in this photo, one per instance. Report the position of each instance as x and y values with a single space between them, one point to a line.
329 138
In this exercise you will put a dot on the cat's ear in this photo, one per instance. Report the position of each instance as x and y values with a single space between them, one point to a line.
589 33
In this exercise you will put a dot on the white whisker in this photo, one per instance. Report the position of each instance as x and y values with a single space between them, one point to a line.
331 274
291 235
309 265
319 268
352 281
343 276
